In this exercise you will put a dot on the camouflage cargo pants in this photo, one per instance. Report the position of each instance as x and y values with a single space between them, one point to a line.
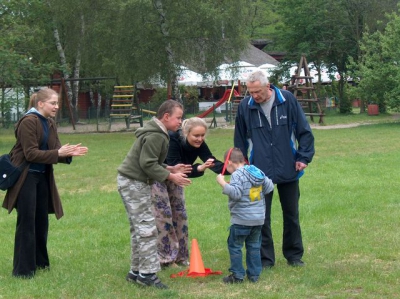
136 197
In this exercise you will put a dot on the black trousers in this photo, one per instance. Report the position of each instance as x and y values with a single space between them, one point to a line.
292 244
30 249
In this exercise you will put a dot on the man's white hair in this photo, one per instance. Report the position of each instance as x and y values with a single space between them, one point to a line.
258 76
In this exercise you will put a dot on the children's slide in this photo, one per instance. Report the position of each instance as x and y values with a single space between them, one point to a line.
222 100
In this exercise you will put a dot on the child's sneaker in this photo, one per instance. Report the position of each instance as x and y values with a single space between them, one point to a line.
150 280
131 276
232 279
253 279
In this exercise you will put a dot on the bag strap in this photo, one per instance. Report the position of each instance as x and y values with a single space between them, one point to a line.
22 166
12 149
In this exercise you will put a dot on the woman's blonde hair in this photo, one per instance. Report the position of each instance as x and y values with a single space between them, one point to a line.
41 96
190 123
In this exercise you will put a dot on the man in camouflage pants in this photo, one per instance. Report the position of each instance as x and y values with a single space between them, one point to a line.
141 167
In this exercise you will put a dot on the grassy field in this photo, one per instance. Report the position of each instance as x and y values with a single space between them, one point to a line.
350 211
334 118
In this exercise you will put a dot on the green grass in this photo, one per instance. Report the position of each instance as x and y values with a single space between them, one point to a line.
349 211
333 117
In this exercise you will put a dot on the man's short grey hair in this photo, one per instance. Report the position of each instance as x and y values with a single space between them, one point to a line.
258 76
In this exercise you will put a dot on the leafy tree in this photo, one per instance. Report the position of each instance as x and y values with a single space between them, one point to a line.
164 34
20 44
261 19
147 40
327 32
377 72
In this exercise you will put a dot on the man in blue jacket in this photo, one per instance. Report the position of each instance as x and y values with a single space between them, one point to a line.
272 131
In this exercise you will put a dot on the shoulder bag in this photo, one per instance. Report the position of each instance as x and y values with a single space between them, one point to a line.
9 174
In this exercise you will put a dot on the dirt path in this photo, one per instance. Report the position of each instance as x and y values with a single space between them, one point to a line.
342 126
221 123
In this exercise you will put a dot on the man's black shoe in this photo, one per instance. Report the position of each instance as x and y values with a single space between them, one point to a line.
296 263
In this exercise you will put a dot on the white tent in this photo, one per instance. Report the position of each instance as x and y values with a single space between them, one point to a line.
236 71
326 76
267 68
227 72
241 70
189 78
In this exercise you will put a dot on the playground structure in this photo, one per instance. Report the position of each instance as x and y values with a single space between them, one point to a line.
229 98
230 106
225 98
303 84
126 106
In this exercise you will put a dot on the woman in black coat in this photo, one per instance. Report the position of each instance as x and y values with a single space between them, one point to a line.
186 145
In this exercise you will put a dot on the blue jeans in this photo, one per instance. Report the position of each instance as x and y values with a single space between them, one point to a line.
251 237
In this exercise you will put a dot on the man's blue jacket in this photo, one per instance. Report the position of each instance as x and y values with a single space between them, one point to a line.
275 148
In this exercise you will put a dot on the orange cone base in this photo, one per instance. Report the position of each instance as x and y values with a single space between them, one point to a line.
194 274
196 268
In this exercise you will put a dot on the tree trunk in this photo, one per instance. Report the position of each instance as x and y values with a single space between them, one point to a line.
77 68
362 107
345 105
64 65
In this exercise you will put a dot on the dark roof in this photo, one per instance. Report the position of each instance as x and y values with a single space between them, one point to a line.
250 54
260 43
256 56
277 55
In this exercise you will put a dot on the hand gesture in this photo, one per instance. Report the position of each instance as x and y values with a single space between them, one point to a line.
180 168
209 163
68 150
179 179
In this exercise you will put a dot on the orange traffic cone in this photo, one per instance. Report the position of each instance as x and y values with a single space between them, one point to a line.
196 262
196 267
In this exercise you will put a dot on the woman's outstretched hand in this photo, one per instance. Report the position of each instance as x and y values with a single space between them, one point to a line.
71 150
209 163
